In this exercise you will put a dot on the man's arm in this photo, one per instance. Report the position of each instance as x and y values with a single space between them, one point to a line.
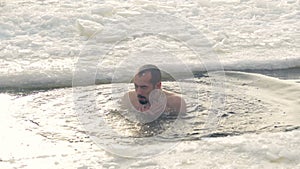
183 106
125 101
177 104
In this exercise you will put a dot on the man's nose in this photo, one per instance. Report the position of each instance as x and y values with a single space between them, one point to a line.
138 90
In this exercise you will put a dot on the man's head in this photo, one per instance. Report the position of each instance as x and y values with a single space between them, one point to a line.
147 78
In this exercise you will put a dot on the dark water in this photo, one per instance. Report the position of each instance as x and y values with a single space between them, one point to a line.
285 74
80 113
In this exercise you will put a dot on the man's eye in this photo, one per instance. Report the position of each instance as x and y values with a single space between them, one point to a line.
143 87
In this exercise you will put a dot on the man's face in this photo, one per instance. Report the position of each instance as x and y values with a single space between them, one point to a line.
143 87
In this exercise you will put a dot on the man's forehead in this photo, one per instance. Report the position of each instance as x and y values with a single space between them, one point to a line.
145 76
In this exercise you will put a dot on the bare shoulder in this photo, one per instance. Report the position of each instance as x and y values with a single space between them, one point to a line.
175 102
128 97
128 94
173 98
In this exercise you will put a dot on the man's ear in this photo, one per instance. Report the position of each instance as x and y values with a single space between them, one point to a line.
158 85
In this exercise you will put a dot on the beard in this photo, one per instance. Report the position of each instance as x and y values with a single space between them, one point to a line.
144 101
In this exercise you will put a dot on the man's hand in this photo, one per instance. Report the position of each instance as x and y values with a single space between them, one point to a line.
144 107
157 106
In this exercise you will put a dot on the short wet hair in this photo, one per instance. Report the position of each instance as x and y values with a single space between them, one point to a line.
154 70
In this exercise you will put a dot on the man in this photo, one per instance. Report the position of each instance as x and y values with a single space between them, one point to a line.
148 97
